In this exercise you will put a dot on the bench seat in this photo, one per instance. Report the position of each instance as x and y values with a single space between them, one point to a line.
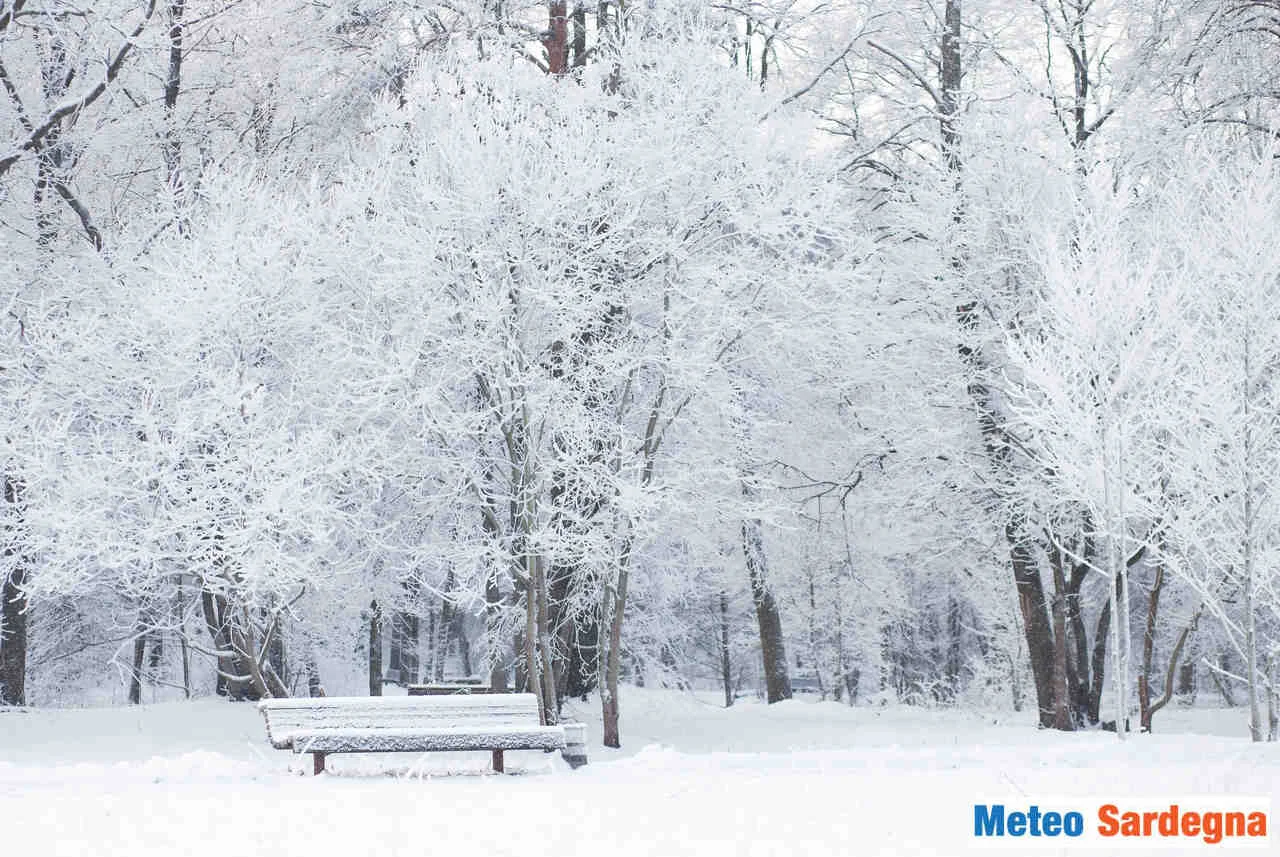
395 724
427 740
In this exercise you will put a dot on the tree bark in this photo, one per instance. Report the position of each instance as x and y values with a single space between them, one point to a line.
13 610
139 655
1148 650
726 666
772 646
1149 711
1062 719
180 611
1099 662
1035 618
172 145
1080 667
375 648
556 39
493 633
551 713
233 678
579 34
616 602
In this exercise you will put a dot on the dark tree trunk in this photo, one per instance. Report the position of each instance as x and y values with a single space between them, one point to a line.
1099 663
1035 619
13 610
1224 664
233 674
155 660
314 687
444 627
579 34
172 146
375 649
435 661
950 71
551 712
1148 650
180 609
577 636
521 674
493 609
139 655
276 662
1062 718
1079 665
1149 709
726 666
772 647
955 649
556 39
464 645
1187 681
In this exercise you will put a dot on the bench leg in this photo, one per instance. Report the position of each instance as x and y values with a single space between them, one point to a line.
497 762
318 759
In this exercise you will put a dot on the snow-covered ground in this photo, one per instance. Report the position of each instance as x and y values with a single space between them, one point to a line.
802 777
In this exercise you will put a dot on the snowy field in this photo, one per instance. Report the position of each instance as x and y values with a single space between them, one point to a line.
802 778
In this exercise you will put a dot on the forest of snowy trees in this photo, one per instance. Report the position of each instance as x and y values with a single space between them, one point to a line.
921 351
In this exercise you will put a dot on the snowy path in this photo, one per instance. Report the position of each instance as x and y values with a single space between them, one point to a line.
199 779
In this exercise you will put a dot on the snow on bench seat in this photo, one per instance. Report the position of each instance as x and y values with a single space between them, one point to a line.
415 740
496 722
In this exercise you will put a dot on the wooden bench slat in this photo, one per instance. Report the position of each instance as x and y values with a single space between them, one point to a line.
442 740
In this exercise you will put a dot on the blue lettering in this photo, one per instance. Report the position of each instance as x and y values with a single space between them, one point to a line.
993 820
989 820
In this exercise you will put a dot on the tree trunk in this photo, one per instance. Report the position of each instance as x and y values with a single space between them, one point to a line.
726 666
435 661
496 662
139 654
551 712
233 679
13 610
172 145
1273 699
1250 609
180 609
315 688
1062 719
1035 619
612 661
772 646
1148 651
404 646
1099 662
375 649
556 39
459 634
444 627
532 681
1150 710
579 34
1079 666
950 72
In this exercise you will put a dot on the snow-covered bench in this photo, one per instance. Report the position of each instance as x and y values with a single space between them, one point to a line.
390 724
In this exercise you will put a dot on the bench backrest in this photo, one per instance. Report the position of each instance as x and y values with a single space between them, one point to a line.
285 717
